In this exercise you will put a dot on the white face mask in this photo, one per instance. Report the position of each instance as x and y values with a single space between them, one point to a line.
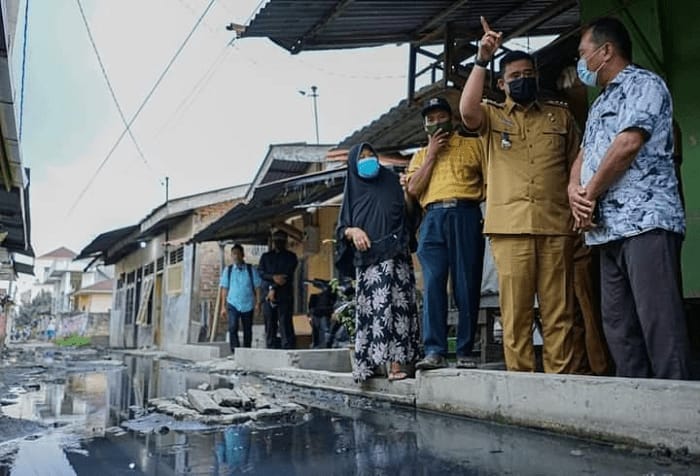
588 77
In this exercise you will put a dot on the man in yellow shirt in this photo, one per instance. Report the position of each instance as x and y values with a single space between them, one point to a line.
530 145
446 177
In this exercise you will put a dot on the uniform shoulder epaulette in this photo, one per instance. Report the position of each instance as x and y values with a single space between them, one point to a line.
551 102
490 102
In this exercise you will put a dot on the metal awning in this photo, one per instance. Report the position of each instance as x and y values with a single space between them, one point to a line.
273 203
23 268
334 24
14 179
104 241
401 127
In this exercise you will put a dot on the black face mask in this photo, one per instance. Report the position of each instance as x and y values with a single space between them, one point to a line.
523 90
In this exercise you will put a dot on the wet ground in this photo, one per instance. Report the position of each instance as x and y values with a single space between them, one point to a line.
81 412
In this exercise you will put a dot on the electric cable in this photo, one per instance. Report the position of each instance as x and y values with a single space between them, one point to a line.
111 89
143 104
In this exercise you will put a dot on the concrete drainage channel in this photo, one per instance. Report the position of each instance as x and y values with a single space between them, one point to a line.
640 412
88 415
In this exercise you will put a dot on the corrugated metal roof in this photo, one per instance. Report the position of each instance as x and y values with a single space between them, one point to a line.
14 194
334 24
401 127
104 241
273 203
284 161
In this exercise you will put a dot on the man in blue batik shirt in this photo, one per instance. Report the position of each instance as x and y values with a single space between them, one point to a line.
624 194
240 297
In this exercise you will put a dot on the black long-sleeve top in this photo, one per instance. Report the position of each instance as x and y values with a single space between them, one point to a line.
278 262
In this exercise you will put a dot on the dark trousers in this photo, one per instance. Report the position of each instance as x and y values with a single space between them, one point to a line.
246 319
451 244
643 316
320 331
279 318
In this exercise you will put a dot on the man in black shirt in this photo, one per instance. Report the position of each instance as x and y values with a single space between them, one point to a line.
277 272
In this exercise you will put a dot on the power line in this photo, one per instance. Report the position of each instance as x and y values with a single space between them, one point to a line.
24 68
143 104
197 89
109 86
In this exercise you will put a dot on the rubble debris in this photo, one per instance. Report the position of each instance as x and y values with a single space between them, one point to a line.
225 406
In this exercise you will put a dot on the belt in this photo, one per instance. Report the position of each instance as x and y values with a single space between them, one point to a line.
452 203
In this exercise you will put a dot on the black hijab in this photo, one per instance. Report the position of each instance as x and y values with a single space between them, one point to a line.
376 206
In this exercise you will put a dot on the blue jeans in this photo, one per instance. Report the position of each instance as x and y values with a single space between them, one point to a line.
451 243
247 322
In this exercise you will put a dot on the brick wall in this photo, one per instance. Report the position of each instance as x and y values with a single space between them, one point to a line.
205 216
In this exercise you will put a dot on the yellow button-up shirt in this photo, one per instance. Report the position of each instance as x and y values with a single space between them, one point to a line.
457 171
529 153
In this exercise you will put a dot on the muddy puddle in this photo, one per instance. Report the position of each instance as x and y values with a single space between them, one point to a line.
83 415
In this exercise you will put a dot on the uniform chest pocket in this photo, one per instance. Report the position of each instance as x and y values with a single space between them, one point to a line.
554 137
505 138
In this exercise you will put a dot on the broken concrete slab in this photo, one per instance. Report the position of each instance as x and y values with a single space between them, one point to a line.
266 360
224 406
202 402
400 391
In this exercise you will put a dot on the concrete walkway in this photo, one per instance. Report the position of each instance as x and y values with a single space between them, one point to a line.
631 411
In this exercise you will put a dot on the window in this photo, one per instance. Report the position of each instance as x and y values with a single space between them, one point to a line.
174 279
175 271
176 256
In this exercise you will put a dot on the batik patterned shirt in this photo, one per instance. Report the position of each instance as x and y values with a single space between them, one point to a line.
646 196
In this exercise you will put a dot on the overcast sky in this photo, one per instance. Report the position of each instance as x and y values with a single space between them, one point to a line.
207 126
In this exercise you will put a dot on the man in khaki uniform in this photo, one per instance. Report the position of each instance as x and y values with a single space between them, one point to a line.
591 355
530 145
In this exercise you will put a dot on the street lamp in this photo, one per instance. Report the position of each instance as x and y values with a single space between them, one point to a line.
314 95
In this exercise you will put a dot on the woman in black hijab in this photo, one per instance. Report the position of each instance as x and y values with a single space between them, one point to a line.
372 228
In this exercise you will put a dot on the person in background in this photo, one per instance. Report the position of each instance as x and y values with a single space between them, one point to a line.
240 297
372 226
276 269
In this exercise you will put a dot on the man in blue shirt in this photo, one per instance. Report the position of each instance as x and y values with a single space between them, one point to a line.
624 193
240 297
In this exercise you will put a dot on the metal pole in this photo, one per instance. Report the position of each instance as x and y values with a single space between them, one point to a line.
314 95
167 234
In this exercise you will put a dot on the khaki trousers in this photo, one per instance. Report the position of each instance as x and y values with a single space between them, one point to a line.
542 266
591 351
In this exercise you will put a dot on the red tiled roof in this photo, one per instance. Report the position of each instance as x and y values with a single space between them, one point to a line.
102 286
59 253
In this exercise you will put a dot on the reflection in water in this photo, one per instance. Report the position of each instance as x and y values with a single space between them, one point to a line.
353 438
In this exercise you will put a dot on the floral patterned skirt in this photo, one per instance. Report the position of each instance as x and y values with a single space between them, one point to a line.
386 316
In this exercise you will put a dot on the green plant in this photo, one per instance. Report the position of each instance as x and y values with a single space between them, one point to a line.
73 341
345 314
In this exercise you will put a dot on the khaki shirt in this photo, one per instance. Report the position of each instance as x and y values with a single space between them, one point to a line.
457 171
529 155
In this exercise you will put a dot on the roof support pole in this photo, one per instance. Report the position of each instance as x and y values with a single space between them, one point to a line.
412 56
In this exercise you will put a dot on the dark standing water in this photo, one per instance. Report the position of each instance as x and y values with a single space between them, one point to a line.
339 436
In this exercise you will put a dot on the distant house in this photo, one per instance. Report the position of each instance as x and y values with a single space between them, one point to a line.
165 287
57 273
95 297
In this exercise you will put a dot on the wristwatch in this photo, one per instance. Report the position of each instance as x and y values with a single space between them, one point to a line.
481 63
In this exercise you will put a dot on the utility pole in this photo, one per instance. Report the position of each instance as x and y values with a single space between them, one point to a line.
314 95
167 186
